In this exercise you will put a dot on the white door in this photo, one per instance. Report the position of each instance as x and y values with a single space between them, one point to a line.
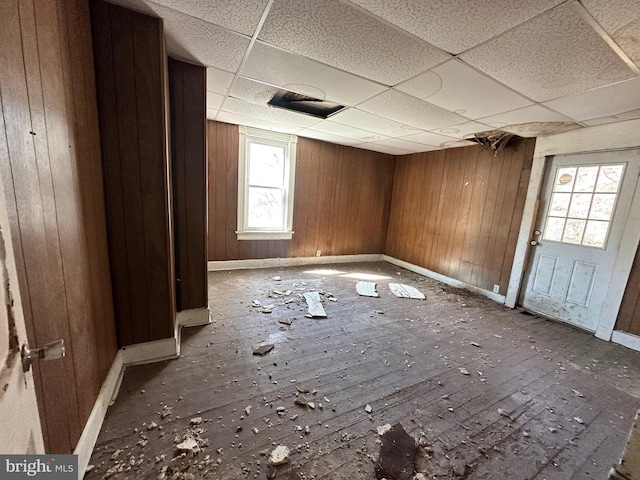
20 432
584 204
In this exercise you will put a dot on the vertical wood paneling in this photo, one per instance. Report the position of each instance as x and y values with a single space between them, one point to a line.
52 178
629 315
130 78
187 92
341 206
457 211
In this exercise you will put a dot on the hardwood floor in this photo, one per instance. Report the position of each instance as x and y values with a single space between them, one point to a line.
542 400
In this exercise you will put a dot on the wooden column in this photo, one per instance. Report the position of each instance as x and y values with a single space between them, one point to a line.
130 76
187 98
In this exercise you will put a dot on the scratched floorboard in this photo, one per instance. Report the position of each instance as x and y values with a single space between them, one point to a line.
400 356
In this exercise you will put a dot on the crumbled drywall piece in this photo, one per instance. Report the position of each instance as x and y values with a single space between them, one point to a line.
279 456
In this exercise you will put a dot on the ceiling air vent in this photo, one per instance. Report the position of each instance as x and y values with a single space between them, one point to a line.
304 104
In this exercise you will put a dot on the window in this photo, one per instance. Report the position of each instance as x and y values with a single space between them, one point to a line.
266 174
582 204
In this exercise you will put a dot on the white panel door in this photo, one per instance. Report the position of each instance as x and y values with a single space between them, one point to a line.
584 204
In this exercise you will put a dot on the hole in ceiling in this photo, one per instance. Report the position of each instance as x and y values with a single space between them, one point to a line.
494 140
304 104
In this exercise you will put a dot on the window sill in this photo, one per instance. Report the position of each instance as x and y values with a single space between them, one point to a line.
266 235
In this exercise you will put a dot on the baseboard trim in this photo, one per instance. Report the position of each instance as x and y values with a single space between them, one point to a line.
150 352
629 340
444 279
193 317
91 430
290 262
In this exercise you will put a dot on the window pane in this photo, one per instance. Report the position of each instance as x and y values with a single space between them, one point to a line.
266 165
560 204
609 178
595 234
265 208
580 203
603 206
573 231
586 179
554 229
564 179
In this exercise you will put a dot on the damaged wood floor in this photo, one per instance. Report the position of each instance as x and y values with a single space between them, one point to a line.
489 392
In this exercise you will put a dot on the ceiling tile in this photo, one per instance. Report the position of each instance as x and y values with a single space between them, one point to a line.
270 114
345 37
464 129
376 147
193 39
214 100
401 144
621 20
372 123
429 138
630 115
239 15
218 81
250 121
356 134
327 137
211 113
293 72
252 91
553 55
461 89
406 109
531 121
600 102
439 23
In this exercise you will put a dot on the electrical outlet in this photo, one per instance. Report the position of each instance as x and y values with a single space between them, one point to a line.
496 288
318 253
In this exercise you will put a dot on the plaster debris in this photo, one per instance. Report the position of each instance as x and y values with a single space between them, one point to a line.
311 405
367 408
256 303
579 420
366 289
383 428
263 349
166 411
406 291
277 278
247 409
464 371
504 413
255 430
476 344
301 401
285 321
279 456
302 389
152 425
116 454
268 308
314 306
577 393
188 445
196 421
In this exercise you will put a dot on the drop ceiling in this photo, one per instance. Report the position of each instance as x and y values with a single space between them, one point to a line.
414 75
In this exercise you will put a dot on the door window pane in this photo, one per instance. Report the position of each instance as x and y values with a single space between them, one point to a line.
582 204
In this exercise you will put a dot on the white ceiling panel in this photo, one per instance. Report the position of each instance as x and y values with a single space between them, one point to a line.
409 110
356 134
630 115
401 144
251 121
604 101
200 41
211 113
464 129
252 91
218 81
343 36
214 100
439 23
555 54
293 72
269 114
327 137
429 138
621 19
531 121
372 123
239 15
376 147
459 88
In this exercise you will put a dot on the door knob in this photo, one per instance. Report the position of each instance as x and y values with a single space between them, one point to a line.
50 351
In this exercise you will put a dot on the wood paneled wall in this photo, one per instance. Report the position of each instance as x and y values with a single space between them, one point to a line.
341 205
50 163
457 212
188 103
629 315
130 74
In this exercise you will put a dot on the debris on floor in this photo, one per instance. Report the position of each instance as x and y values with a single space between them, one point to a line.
263 349
268 308
279 456
406 291
397 455
285 321
367 408
256 303
314 307
366 289
383 429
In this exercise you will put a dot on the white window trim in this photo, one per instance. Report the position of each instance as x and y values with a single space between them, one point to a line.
243 232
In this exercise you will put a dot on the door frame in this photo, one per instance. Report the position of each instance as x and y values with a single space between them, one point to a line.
602 138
